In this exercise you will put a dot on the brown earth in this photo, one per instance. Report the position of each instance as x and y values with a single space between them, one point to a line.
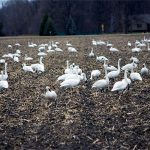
79 119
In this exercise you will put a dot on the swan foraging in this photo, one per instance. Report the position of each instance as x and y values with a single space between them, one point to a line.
3 83
121 85
70 83
101 58
72 49
50 94
103 83
144 70
95 73
112 49
73 81
27 68
27 58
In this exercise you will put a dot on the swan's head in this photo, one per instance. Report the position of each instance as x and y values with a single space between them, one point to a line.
119 59
47 87
23 64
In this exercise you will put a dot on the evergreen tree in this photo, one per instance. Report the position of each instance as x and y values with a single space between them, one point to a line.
71 26
43 24
49 28
1 28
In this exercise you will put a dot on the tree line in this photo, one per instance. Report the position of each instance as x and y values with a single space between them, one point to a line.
68 17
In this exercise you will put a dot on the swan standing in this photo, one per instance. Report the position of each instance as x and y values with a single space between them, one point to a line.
95 73
121 85
114 74
103 83
144 70
135 76
3 83
4 76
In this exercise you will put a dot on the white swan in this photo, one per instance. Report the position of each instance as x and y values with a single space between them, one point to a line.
57 49
144 70
68 44
91 54
72 49
50 94
42 54
112 49
3 83
135 76
27 68
121 85
9 46
103 83
148 47
129 67
101 58
136 49
16 59
114 74
109 44
68 70
4 76
129 44
136 60
95 73
27 58
2 61
38 67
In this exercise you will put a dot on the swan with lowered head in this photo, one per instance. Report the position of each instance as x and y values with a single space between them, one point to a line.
95 73
144 70
112 49
27 68
27 58
73 81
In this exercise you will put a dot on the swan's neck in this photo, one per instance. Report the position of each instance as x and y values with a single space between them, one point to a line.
107 79
41 58
125 76
67 64
118 65
5 69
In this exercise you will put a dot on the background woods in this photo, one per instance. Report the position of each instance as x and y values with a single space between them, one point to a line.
20 17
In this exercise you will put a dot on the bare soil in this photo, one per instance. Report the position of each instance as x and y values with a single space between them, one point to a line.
79 119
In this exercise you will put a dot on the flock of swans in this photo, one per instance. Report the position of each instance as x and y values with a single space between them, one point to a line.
73 74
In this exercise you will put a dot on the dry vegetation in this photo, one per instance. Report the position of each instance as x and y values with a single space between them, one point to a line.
80 120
